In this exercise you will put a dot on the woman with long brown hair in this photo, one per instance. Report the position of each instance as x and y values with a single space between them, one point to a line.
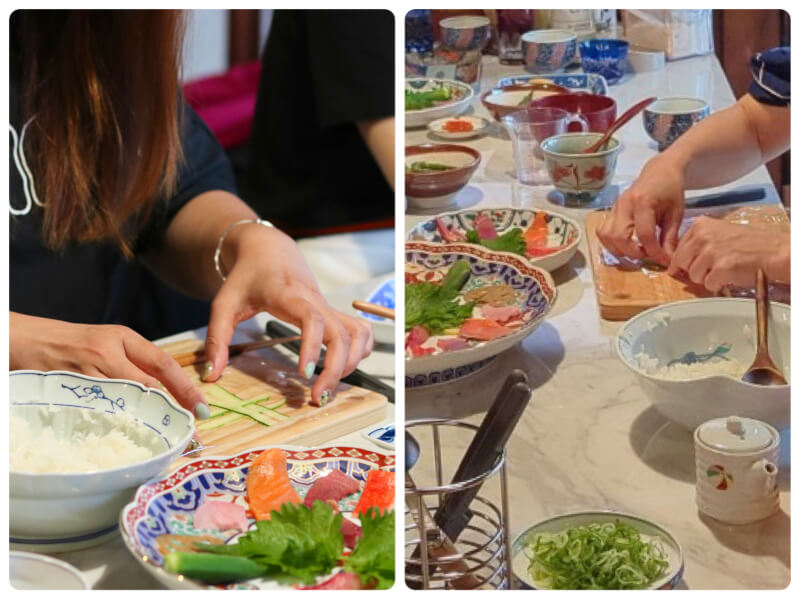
112 172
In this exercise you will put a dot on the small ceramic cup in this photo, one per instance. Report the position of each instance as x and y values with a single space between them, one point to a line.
606 57
466 32
548 50
736 467
666 119
580 177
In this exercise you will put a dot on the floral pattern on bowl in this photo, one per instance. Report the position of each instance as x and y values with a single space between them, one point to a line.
167 506
564 234
592 83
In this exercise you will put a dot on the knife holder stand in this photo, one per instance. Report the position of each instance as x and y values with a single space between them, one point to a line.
480 557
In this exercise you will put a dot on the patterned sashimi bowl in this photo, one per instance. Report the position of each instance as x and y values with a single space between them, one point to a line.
53 512
564 234
167 506
592 83
534 295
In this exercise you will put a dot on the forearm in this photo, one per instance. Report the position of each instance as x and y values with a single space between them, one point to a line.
727 145
780 267
378 135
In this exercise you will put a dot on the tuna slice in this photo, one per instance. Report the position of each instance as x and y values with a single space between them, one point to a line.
350 532
268 484
334 486
214 514
341 581
416 336
448 344
501 314
484 227
482 329
448 235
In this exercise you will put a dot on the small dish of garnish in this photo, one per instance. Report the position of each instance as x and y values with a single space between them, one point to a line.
598 550
458 128
435 173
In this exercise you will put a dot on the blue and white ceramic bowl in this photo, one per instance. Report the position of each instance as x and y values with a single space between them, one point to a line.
53 512
534 292
465 32
592 83
666 119
548 50
609 58
167 505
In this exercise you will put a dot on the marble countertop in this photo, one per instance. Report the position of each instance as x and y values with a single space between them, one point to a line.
589 439
359 257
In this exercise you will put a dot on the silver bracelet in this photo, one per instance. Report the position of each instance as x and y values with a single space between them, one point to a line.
221 240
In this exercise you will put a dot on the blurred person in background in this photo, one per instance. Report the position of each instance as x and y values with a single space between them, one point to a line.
645 221
322 144
115 179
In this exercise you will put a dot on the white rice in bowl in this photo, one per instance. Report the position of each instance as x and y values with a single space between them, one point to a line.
682 372
49 440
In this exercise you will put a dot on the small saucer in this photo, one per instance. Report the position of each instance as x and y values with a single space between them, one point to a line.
479 127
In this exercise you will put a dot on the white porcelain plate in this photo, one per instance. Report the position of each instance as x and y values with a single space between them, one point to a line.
478 125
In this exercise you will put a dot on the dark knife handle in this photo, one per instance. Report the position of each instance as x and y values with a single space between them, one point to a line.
725 198
357 378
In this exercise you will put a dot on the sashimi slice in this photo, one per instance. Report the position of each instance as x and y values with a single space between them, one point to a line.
268 484
350 532
536 235
484 226
482 329
452 344
448 235
343 580
215 514
543 251
416 336
378 492
334 486
417 351
500 314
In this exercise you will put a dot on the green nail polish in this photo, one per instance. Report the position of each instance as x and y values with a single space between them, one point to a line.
207 368
201 411
324 398
309 370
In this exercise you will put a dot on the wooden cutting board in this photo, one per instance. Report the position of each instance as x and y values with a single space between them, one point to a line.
627 289
268 383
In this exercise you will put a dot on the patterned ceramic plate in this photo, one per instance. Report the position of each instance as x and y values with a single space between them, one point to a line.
461 97
564 234
534 295
167 506
593 83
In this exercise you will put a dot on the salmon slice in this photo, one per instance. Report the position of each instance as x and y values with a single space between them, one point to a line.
378 492
536 236
482 329
268 484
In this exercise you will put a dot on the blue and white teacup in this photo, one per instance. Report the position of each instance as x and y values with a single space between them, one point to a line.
548 50
466 32
666 119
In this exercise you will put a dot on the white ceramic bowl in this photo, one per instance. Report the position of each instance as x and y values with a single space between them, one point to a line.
670 331
520 562
29 571
58 511
457 105
378 290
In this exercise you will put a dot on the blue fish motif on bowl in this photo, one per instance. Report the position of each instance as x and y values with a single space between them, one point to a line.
609 58
666 119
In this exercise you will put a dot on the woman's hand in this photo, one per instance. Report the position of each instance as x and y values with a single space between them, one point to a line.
654 200
99 351
270 274
715 253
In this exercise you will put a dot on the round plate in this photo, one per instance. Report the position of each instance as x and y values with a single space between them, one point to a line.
167 505
479 127
520 562
564 234
534 291
28 571
462 97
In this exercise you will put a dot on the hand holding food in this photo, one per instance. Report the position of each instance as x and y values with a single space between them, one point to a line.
270 274
110 351
655 200
715 253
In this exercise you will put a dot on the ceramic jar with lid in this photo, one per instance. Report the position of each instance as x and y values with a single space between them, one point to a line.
736 466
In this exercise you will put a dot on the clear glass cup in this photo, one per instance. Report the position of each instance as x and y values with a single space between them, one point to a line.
511 24
527 128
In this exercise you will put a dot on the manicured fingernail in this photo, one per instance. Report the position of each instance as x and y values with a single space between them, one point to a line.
201 411
207 368
324 398
309 370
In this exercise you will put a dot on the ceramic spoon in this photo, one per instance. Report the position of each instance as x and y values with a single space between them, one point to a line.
763 371
626 116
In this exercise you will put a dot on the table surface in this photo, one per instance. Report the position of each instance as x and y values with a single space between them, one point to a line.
590 439
358 257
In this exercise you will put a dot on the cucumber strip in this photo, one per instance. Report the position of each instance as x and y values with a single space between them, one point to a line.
221 397
212 568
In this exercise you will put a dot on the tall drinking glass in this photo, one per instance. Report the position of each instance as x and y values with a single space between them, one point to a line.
527 128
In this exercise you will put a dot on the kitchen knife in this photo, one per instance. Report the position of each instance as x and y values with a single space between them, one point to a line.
753 194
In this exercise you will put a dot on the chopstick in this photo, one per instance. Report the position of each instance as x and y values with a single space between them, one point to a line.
185 359
374 309
357 378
